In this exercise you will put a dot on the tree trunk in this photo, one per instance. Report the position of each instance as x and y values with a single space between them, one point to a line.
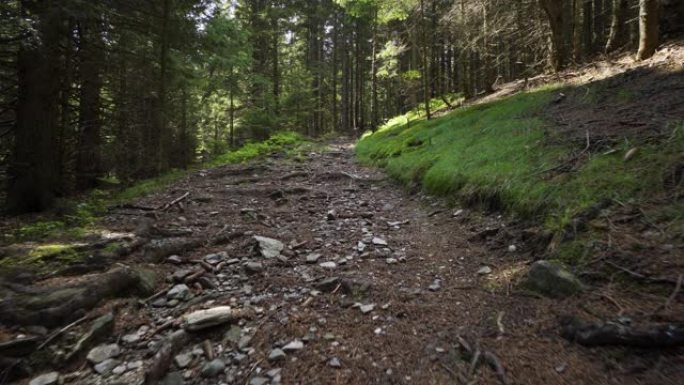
554 12
34 170
648 28
88 166
424 62
374 75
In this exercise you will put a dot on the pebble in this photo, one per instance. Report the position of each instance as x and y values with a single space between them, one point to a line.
120 369
258 381
180 292
46 379
391 261
174 259
436 285
213 368
365 309
484 270
328 265
131 338
106 366
183 360
103 352
276 355
293 346
379 241
173 378
335 363
313 257
254 267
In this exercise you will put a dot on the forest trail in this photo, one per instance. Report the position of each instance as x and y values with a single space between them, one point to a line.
374 285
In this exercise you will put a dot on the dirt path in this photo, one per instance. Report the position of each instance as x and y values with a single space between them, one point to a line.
407 255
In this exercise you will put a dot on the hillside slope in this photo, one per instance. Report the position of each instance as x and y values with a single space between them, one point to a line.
582 150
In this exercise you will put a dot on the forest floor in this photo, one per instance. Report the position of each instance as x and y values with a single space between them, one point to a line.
361 280
377 282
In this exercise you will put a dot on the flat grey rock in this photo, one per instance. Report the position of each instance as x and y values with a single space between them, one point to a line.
179 292
294 346
276 355
106 366
213 368
51 378
103 352
269 247
313 257
183 360
258 381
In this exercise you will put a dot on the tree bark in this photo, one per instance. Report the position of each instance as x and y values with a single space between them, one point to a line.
554 12
648 28
34 169
88 166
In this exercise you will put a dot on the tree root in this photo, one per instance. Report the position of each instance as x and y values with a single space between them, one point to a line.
612 334
52 307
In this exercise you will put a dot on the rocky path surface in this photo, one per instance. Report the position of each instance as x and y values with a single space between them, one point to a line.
327 273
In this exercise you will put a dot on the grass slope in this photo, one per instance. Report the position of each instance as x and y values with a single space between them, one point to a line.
503 155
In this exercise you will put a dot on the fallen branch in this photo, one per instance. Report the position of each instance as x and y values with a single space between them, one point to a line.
476 355
62 330
672 296
174 202
642 276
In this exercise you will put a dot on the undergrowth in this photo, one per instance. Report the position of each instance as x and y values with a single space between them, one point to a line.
498 156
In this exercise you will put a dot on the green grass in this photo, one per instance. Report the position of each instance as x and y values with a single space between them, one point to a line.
494 155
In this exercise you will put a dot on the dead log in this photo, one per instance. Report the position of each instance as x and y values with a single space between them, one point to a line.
656 336
53 307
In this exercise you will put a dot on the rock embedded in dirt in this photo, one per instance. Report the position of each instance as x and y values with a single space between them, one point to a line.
313 258
131 338
436 285
51 378
328 265
202 319
552 279
254 267
213 368
335 363
269 247
103 352
183 360
106 366
216 258
233 335
173 378
365 309
293 346
379 241
258 381
484 270
174 259
179 292
179 275
276 355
